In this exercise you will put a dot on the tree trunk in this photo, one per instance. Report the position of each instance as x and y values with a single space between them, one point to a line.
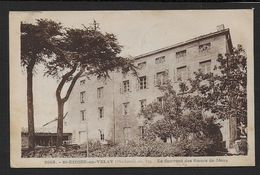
60 123
62 101
31 143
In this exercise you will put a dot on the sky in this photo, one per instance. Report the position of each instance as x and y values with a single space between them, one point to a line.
138 31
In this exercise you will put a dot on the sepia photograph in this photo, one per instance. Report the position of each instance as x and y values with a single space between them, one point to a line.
138 88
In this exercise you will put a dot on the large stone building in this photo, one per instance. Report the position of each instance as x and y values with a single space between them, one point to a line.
107 110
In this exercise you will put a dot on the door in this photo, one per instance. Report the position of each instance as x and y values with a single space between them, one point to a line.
82 137
127 134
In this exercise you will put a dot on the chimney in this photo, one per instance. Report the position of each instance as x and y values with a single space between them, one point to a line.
220 27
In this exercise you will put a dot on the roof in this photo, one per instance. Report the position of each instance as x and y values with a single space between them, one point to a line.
48 134
224 31
52 129
201 37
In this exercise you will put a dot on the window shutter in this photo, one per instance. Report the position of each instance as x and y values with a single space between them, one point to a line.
147 82
129 86
174 75
121 88
154 80
209 67
166 75
188 72
137 85
122 109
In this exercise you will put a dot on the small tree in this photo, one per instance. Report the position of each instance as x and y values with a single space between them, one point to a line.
224 92
177 117
81 51
33 50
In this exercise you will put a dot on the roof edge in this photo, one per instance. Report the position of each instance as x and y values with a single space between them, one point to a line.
183 43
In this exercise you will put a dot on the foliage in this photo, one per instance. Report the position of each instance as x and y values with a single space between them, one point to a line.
79 51
196 147
178 117
68 53
192 112
34 47
242 146
35 39
89 49
224 92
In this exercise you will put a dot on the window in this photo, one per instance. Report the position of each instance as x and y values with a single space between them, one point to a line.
126 108
160 78
182 73
204 47
82 97
160 60
127 133
101 112
143 82
141 65
181 54
160 101
82 115
126 87
82 82
142 104
102 135
100 92
141 131
205 66
180 59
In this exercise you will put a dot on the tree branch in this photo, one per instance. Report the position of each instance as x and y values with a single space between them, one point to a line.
63 81
75 78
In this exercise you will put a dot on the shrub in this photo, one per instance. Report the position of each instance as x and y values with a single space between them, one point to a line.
195 147
242 147
185 147
132 149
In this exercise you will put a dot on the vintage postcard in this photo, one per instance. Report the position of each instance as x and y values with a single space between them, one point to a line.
147 88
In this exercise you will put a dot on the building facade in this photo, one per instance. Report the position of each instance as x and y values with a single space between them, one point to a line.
107 110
